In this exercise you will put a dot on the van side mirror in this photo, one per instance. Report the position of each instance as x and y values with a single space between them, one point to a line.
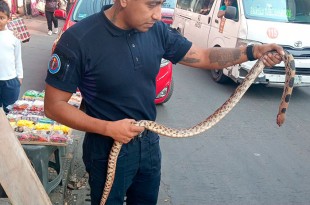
230 12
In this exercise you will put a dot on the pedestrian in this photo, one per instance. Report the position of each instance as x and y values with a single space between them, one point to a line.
113 57
50 7
69 5
27 7
11 67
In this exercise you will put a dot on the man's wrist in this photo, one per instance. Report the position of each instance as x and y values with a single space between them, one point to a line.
250 52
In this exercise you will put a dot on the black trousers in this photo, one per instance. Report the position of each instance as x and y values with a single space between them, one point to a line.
27 8
51 20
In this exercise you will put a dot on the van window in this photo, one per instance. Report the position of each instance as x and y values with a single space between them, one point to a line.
169 4
206 7
197 6
278 10
222 8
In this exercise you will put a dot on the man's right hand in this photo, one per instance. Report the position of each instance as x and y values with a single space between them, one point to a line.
123 130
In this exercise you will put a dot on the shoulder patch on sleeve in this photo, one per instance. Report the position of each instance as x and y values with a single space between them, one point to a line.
54 64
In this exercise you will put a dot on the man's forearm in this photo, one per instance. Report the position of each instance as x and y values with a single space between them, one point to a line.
214 58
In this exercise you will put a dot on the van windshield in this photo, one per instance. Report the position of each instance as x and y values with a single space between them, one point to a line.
296 11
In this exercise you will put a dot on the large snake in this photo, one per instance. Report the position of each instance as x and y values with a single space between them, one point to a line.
212 119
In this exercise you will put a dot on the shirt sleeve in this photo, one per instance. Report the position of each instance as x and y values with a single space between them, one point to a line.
64 66
223 8
18 59
176 46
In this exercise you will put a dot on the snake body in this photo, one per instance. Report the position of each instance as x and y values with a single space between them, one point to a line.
212 119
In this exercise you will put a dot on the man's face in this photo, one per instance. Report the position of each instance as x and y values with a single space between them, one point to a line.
228 2
3 20
142 14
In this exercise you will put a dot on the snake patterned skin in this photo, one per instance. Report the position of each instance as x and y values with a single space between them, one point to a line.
212 119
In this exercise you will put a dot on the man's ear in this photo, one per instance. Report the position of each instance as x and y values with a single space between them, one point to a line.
123 3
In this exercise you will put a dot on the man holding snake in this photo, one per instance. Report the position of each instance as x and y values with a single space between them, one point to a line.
113 57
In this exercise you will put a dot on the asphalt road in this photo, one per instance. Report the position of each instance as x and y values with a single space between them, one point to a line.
245 159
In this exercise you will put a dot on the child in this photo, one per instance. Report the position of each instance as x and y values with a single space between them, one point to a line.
11 68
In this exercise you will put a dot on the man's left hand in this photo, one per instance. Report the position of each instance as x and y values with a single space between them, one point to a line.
271 54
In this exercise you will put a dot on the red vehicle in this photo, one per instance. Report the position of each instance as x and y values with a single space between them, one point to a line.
84 8
167 15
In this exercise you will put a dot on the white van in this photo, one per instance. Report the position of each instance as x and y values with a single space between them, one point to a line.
285 22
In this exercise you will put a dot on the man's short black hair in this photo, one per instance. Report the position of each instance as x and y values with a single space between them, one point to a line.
4 7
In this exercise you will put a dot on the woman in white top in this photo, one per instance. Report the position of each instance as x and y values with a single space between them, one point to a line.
11 68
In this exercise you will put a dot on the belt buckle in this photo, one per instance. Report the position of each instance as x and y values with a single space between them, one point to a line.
140 134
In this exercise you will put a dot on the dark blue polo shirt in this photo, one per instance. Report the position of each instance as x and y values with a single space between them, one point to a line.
114 69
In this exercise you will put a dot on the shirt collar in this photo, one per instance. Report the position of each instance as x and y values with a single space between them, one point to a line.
114 30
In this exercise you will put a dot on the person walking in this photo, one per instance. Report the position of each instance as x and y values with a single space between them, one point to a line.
11 67
50 7
69 5
113 57
28 10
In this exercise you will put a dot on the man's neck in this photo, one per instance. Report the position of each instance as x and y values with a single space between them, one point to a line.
115 15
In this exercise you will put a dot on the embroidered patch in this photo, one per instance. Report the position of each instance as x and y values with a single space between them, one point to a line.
54 64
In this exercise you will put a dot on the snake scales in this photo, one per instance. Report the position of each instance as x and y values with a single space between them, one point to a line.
212 119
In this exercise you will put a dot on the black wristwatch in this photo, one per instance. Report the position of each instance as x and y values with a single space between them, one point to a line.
250 52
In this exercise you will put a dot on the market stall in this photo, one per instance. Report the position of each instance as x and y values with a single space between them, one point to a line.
30 124
17 175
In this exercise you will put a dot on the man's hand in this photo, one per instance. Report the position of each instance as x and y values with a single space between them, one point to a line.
269 58
123 130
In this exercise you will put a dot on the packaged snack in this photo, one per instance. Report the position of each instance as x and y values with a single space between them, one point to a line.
33 117
22 136
43 126
41 95
21 105
12 117
38 137
30 95
25 123
57 137
64 129
75 100
46 120
37 106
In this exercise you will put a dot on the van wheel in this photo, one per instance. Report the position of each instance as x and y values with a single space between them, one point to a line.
219 77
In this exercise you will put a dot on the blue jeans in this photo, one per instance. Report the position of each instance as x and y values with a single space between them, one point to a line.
9 92
137 174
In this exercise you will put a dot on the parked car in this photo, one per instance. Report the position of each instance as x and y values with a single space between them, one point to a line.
167 15
83 8
167 11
